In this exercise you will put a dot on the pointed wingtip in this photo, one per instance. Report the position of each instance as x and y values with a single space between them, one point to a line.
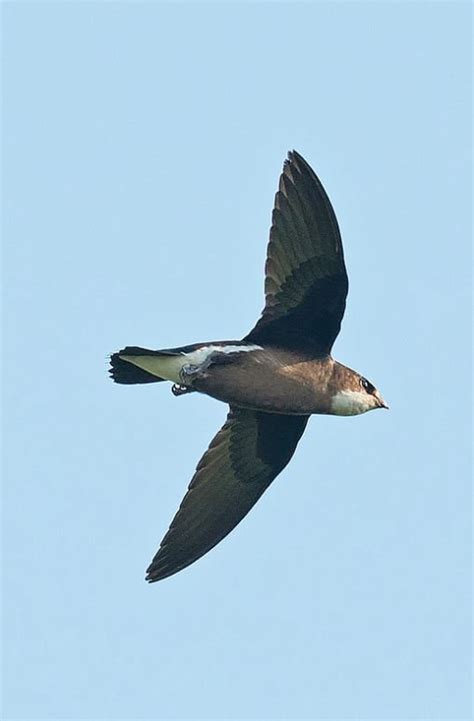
160 569
291 163
296 159
152 574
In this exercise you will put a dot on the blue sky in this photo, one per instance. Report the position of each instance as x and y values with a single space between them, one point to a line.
142 147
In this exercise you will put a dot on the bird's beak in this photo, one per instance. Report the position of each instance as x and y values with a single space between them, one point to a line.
381 401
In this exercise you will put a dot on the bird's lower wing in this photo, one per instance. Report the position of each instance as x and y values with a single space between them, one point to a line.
242 460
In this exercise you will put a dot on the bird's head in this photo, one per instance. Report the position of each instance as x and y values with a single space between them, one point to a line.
353 394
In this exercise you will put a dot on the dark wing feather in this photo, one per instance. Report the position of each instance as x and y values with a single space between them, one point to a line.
242 460
305 276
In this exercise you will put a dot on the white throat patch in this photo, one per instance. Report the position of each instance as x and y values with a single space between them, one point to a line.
351 403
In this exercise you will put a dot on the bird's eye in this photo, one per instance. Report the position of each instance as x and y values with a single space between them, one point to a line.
366 385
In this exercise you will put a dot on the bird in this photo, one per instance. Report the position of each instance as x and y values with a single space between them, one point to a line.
273 379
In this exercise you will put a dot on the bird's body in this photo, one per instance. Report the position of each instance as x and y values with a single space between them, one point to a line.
273 379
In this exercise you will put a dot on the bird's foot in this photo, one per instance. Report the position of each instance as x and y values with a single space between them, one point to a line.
189 373
180 390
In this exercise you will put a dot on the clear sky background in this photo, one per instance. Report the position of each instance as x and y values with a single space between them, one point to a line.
142 148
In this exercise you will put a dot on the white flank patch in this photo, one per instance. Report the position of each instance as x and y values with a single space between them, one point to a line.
200 355
169 366
351 403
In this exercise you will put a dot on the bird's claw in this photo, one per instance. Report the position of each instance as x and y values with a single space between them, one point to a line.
180 390
188 372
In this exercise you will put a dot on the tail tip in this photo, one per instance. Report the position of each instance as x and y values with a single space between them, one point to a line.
121 371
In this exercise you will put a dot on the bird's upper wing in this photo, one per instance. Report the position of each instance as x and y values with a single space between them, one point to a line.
242 460
305 276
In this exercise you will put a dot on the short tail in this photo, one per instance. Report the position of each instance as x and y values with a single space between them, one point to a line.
141 365
122 371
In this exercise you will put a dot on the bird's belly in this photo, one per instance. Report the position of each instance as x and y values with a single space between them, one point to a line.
264 388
